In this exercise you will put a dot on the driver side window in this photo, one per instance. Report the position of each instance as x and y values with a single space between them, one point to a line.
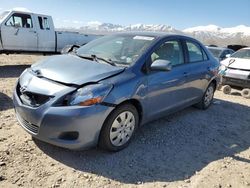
171 51
20 20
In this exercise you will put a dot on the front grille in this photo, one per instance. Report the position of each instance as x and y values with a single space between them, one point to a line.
27 125
236 82
31 99
240 81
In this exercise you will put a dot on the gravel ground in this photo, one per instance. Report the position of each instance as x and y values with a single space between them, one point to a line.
191 148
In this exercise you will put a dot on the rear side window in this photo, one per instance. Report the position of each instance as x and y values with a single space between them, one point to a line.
20 20
43 23
195 52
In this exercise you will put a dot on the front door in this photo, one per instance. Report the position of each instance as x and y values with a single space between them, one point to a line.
19 33
167 89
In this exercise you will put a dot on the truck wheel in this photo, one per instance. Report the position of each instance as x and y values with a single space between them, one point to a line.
245 93
119 128
227 89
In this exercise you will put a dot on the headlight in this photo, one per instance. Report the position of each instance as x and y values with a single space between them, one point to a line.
222 67
222 70
90 95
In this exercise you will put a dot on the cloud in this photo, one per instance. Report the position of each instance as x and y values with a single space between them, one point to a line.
77 22
94 23
70 23
66 21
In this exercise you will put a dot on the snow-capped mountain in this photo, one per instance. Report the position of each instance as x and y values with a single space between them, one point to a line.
210 34
213 34
98 26
108 27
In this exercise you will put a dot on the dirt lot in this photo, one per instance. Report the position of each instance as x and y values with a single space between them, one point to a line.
191 148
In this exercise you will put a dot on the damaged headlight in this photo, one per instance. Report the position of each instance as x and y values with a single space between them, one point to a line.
90 95
222 70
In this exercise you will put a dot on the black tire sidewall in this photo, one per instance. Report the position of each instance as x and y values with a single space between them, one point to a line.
203 100
226 89
104 141
246 93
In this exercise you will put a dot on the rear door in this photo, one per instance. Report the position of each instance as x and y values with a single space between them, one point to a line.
198 68
19 33
46 34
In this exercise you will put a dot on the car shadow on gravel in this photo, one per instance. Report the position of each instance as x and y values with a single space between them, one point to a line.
169 149
5 102
12 71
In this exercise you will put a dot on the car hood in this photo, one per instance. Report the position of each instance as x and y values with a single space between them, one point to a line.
70 69
237 63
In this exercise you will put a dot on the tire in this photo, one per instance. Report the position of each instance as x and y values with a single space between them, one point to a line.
227 89
119 128
207 98
245 93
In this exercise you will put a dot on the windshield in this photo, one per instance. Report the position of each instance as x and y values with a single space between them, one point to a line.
215 52
120 49
243 53
3 14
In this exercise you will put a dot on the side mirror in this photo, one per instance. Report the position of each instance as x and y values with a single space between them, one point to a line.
228 55
161 65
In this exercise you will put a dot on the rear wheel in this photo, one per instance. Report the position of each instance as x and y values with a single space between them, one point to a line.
207 98
119 128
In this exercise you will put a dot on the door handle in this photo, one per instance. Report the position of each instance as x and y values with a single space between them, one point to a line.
185 74
32 31
16 33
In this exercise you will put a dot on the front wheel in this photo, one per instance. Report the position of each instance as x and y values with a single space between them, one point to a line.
227 89
207 98
119 128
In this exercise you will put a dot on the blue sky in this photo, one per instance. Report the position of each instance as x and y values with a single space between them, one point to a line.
180 14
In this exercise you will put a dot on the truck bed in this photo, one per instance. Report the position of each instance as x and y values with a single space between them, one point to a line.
64 38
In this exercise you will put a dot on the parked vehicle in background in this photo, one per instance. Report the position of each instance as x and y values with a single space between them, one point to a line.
236 47
29 32
103 92
220 53
235 72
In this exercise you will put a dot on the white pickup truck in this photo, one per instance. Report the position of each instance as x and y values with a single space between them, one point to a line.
29 32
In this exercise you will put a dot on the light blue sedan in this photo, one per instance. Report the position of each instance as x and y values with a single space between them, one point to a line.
101 94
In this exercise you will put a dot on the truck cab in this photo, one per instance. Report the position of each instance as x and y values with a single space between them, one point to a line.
25 31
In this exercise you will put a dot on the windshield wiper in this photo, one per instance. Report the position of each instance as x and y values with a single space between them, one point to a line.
93 57
109 61
85 57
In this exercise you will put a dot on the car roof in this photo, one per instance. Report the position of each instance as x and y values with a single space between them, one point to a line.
152 34
218 48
